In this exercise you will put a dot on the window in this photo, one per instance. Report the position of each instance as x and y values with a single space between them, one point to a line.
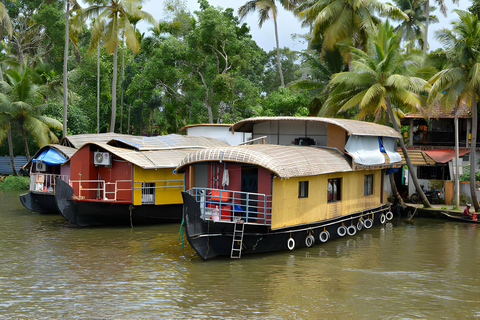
334 190
303 189
368 185
148 193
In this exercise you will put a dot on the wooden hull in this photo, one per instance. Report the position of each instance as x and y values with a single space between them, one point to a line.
459 218
86 213
43 202
211 239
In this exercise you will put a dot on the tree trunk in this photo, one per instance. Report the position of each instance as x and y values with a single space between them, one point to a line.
121 86
473 149
114 90
426 13
10 150
98 87
278 52
65 69
24 135
420 192
393 186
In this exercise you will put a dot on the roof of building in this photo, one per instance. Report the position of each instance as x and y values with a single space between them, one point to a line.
438 112
284 161
353 127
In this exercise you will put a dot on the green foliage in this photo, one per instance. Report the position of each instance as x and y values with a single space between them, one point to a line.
11 183
466 175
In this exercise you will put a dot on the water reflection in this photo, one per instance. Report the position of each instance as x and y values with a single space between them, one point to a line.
52 270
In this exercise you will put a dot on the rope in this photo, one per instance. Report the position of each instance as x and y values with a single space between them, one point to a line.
180 235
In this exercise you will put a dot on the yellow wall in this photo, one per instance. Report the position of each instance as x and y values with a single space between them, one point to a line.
288 209
162 195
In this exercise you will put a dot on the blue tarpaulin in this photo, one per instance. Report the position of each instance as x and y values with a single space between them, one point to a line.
50 157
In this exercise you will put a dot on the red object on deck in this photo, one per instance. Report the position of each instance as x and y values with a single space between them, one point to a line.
474 216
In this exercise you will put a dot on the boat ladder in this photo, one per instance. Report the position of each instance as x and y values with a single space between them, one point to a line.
237 240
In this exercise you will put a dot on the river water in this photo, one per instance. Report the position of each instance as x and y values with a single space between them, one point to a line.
50 269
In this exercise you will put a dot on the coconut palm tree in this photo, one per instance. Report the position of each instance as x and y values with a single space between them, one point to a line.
460 81
24 100
412 30
335 21
265 7
379 79
426 11
111 21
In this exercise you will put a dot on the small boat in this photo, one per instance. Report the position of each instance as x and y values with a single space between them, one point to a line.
127 181
460 218
314 180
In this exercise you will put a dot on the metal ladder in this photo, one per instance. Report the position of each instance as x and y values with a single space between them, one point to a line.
237 240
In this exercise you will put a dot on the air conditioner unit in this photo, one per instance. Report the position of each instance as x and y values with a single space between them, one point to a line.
40 166
102 159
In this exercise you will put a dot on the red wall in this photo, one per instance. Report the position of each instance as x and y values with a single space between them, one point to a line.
82 168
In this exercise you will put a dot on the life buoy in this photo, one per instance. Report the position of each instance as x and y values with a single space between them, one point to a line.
324 236
351 230
389 215
341 231
309 241
291 244
368 223
382 218
360 225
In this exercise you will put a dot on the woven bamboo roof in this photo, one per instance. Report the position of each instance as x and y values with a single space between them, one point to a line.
78 140
418 158
170 141
284 161
438 112
150 159
353 127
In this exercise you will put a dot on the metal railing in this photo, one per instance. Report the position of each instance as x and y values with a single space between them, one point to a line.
102 190
231 206
45 182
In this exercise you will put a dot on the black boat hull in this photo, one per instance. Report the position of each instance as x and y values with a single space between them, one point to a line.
211 239
99 213
43 202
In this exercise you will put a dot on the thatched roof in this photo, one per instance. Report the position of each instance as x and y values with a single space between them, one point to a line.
284 161
353 127
151 159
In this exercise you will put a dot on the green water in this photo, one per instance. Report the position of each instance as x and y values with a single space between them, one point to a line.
50 269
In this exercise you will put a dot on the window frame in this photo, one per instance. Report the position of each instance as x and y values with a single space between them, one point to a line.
303 189
368 187
334 194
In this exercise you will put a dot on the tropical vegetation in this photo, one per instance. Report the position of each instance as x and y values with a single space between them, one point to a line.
365 60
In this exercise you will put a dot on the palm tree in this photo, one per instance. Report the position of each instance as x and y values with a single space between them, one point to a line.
460 82
74 6
265 7
426 11
24 100
337 20
379 78
111 21
412 30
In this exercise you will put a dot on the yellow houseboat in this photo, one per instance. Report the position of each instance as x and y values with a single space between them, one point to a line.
317 179
127 181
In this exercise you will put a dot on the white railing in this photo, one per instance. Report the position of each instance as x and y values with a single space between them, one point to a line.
231 206
103 190
45 182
